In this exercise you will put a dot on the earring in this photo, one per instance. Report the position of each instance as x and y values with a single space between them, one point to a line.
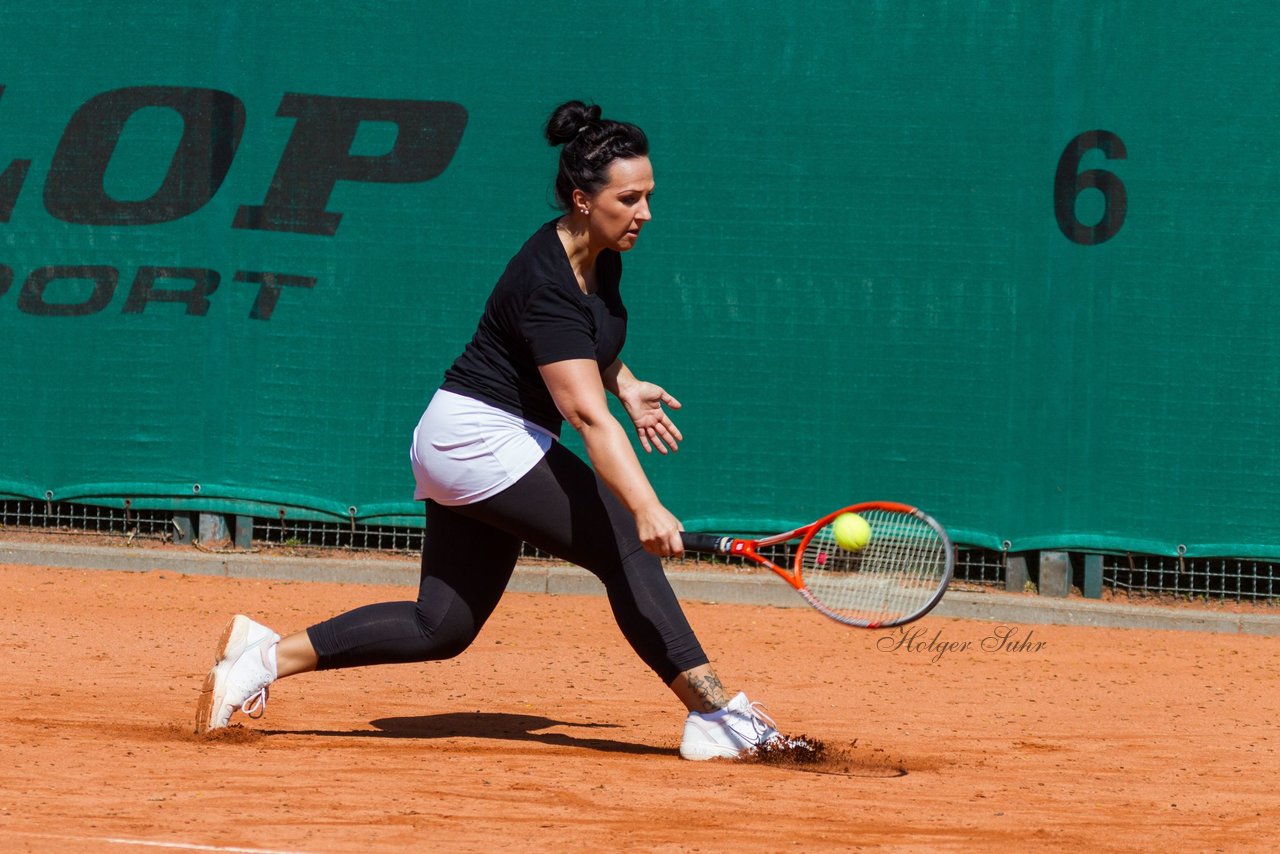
584 210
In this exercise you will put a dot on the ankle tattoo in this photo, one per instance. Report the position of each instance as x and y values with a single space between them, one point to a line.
709 691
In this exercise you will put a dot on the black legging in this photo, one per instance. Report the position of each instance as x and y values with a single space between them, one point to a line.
468 555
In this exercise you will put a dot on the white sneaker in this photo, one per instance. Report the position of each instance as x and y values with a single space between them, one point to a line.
246 666
736 729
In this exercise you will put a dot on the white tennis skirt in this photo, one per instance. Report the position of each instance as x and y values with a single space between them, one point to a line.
464 450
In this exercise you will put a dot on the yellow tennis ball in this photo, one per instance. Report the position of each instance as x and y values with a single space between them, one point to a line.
852 531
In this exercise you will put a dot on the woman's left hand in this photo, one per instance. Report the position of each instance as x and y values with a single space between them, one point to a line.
644 402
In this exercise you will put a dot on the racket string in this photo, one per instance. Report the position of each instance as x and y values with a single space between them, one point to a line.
898 573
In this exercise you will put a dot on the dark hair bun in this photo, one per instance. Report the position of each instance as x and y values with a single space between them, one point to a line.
569 119
588 145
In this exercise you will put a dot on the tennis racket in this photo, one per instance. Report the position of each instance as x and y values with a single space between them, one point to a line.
897 577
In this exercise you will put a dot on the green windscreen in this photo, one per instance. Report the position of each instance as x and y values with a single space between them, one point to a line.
1015 263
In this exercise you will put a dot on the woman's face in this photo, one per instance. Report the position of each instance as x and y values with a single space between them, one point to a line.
621 208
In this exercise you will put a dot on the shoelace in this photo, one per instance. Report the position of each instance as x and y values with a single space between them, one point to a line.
256 705
762 723
760 720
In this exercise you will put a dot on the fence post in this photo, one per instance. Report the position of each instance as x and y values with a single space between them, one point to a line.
1092 587
184 528
1055 574
243 531
213 530
1016 575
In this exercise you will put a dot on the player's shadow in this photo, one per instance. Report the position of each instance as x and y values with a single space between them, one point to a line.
491 725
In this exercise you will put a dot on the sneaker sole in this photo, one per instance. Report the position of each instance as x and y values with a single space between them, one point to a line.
702 757
210 697
702 752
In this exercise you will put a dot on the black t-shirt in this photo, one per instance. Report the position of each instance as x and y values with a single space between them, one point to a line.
537 315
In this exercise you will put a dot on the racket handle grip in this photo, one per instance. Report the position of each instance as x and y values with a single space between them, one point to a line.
705 543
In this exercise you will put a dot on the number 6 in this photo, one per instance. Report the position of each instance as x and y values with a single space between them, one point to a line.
1068 184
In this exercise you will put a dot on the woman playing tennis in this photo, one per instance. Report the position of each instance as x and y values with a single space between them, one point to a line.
488 465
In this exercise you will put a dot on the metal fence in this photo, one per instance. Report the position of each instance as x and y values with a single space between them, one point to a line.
1133 574
67 518
1193 578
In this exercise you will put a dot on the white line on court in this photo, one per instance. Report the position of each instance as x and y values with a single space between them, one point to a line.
151 843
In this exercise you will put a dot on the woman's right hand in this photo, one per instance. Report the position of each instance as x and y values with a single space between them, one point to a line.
660 531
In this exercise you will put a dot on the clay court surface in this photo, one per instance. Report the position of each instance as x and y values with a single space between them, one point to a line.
548 735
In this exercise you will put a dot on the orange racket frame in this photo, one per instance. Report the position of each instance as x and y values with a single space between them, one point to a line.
750 549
